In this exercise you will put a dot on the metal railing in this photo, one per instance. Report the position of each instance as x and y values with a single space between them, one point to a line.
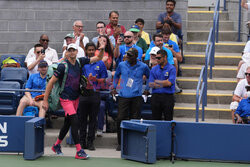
201 91
239 22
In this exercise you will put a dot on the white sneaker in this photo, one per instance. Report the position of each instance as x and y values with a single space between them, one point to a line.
99 133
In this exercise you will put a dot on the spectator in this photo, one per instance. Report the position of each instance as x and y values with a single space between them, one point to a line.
89 105
245 5
120 50
171 17
50 53
240 92
113 28
153 61
69 38
243 111
69 98
245 56
130 97
158 41
138 40
242 71
162 80
100 28
108 52
35 81
80 38
144 35
33 61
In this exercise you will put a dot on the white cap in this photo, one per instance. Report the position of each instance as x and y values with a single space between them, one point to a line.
72 45
154 50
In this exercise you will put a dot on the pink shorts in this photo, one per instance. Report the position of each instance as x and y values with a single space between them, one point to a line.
69 106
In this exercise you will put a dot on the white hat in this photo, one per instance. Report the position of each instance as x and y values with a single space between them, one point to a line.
154 50
72 45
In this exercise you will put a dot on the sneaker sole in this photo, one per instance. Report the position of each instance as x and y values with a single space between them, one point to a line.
82 158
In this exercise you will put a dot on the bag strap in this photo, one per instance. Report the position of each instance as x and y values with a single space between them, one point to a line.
65 76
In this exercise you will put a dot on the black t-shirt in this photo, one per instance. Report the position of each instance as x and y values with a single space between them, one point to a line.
72 84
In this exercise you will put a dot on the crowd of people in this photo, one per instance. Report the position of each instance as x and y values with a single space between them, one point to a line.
122 61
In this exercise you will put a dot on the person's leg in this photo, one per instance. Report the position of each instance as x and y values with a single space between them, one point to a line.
42 112
24 102
168 102
123 107
101 115
135 108
83 111
156 107
94 109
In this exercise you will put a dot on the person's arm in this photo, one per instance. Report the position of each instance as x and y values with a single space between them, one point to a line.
32 65
158 25
81 41
49 87
244 4
237 98
117 48
170 81
175 53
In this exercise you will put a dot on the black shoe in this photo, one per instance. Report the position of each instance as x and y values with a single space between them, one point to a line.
91 146
118 148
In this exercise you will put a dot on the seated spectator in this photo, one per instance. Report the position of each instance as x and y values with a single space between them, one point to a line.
33 61
69 38
37 82
120 50
113 28
144 35
138 40
242 113
108 52
153 61
173 19
240 92
245 56
50 53
242 71
100 28
89 105
80 38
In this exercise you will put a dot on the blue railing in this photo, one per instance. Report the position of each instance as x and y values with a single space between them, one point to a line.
201 91
239 22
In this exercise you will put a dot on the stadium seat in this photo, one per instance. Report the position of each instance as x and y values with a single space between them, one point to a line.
9 100
20 58
14 74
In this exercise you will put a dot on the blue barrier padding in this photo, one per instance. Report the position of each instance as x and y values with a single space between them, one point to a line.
34 138
138 144
226 142
12 130
163 137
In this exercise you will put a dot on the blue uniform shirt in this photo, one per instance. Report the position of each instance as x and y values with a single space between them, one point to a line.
97 69
244 108
128 73
167 73
124 48
36 82
170 42
170 55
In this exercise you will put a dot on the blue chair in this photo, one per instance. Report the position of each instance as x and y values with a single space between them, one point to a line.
15 74
20 58
9 100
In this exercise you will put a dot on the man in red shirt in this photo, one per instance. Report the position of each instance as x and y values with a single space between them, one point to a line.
113 28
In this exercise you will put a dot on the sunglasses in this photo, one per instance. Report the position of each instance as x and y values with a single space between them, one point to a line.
127 36
78 26
99 27
158 58
45 40
247 74
38 52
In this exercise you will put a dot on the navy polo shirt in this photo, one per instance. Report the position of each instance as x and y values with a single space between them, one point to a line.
244 108
97 69
166 73
35 81
128 72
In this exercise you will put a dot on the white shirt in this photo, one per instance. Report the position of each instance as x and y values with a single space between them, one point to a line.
50 54
85 40
32 60
240 89
80 53
248 4
242 71
247 46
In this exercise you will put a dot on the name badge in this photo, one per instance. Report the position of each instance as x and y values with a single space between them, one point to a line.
130 82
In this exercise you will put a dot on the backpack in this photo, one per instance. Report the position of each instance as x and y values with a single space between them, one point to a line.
54 97
10 62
